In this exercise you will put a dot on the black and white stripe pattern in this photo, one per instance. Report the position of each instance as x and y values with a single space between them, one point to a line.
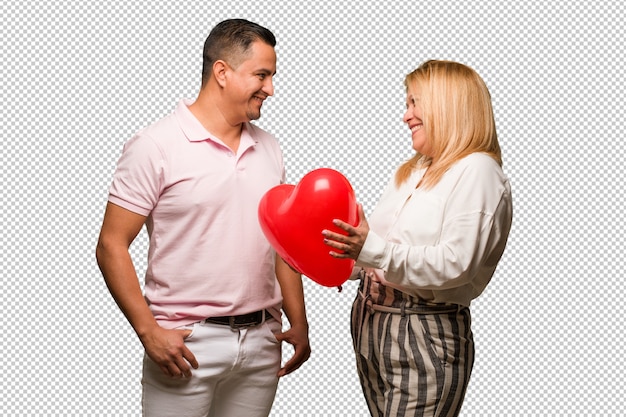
410 364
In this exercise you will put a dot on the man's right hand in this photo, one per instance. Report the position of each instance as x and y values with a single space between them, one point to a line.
165 347
168 350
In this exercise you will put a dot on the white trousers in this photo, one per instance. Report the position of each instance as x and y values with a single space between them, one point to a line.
236 375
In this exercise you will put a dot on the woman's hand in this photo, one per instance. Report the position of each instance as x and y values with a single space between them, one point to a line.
348 245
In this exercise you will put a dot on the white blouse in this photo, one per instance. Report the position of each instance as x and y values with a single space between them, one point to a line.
441 244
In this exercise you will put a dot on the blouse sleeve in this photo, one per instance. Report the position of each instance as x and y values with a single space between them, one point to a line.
474 227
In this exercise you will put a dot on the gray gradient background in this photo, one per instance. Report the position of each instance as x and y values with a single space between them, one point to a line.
79 78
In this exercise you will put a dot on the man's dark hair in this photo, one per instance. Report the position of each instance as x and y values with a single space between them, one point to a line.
230 40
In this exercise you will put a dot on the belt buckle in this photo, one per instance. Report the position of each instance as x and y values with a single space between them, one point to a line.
232 322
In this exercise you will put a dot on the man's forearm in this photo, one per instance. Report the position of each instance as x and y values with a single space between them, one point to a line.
293 293
121 279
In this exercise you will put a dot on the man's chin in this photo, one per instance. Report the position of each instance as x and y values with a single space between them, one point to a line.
253 116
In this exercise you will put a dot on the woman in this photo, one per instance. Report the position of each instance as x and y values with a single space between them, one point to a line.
430 247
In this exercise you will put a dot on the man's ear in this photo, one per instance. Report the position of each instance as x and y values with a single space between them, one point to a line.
219 72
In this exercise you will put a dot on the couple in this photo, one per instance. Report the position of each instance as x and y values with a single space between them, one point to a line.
210 320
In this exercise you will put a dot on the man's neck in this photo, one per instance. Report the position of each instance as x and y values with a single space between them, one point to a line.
212 117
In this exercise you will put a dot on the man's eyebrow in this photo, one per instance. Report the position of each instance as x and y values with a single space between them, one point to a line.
266 71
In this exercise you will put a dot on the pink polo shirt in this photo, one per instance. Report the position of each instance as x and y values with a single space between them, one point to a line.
207 254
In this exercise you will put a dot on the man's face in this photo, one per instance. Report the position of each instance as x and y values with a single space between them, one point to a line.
252 82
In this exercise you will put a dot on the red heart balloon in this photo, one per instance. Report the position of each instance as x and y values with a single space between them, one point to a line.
293 217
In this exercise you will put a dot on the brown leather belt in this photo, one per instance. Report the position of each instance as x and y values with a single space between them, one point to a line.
243 320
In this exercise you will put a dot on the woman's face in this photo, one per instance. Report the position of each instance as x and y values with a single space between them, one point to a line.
413 119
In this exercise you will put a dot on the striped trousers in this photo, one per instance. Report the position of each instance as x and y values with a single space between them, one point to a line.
413 359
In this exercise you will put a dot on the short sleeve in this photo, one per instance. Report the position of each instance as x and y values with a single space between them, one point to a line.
139 177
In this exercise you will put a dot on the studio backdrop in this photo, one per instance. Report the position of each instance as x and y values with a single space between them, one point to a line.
80 78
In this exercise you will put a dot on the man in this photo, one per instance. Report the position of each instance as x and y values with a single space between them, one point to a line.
210 320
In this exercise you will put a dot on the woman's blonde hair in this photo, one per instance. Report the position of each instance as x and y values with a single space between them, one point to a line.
457 118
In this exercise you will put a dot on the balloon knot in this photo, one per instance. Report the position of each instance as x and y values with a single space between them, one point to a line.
339 288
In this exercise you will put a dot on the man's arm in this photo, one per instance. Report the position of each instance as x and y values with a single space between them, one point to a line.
165 347
293 305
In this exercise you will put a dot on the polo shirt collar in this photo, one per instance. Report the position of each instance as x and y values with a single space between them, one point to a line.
195 132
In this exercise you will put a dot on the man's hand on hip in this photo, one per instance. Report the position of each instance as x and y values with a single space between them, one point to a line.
168 350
